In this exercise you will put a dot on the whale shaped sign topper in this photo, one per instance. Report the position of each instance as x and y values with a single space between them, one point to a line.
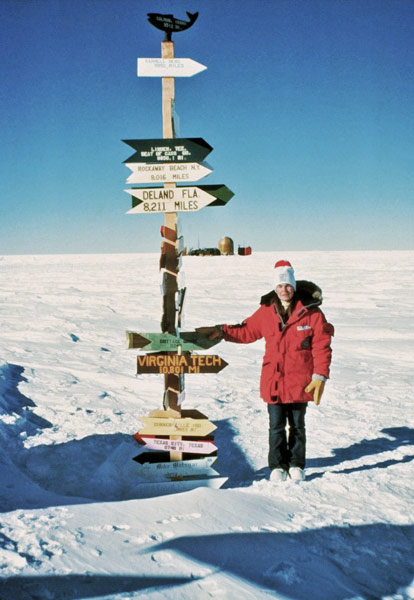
170 24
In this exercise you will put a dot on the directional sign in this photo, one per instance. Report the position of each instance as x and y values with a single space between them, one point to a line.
178 199
152 489
167 172
169 67
176 364
154 465
170 24
168 150
187 340
191 446
187 426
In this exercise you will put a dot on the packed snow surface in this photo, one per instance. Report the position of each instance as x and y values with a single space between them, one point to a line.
78 520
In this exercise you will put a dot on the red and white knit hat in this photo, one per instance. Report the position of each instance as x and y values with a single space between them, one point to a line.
284 274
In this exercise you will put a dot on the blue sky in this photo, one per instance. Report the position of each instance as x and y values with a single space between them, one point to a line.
308 105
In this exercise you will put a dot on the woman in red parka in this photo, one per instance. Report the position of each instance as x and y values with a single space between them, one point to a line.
295 364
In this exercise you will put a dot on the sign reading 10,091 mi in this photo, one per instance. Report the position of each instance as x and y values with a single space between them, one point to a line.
178 199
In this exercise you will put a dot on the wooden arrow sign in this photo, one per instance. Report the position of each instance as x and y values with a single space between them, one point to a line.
169 67
187 340
178 199
165 364
189 446
155 464
168 150
167 172
187 426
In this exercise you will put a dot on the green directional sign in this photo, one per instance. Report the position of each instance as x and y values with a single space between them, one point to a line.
220 192
187 341
168 150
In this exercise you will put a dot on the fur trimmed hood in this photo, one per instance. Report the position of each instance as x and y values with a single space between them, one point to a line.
306 291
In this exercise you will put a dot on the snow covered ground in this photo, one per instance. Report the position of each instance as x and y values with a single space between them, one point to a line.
74 520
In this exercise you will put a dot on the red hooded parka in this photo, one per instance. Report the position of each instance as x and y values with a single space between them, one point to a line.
294 350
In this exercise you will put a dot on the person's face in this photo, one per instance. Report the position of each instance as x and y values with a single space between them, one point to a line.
285 292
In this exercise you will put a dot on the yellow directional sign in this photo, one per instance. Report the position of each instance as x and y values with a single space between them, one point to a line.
187 426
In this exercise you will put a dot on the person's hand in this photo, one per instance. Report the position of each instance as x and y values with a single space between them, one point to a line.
316 386
212 332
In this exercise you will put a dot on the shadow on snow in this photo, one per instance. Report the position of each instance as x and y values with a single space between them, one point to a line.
332 563
393 439
77 587
100 467
94 468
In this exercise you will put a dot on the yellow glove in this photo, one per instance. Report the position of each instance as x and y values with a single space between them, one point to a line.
212 332
316 386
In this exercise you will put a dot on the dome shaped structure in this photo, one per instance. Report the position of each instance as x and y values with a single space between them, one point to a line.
226 246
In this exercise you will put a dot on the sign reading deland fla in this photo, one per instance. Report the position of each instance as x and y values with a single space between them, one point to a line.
178 199
168 150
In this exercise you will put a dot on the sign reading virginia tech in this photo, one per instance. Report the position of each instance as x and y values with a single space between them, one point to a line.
180 363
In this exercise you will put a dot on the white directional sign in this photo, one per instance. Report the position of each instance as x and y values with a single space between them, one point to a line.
169 67
191 446
166 172
183 199
184 468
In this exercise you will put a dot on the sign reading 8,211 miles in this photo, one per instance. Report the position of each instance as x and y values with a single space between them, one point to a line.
178 199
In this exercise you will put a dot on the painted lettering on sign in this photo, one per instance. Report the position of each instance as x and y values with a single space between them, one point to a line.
168 150
177 364
190 427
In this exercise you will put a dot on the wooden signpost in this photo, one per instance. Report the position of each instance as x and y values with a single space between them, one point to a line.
178 441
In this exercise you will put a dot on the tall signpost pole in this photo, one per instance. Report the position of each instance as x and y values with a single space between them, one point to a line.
173 384
181 449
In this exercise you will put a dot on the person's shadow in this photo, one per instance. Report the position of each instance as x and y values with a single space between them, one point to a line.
393 438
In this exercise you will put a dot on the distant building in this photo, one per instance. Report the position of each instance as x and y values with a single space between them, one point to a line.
226 246
204 252
244 250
